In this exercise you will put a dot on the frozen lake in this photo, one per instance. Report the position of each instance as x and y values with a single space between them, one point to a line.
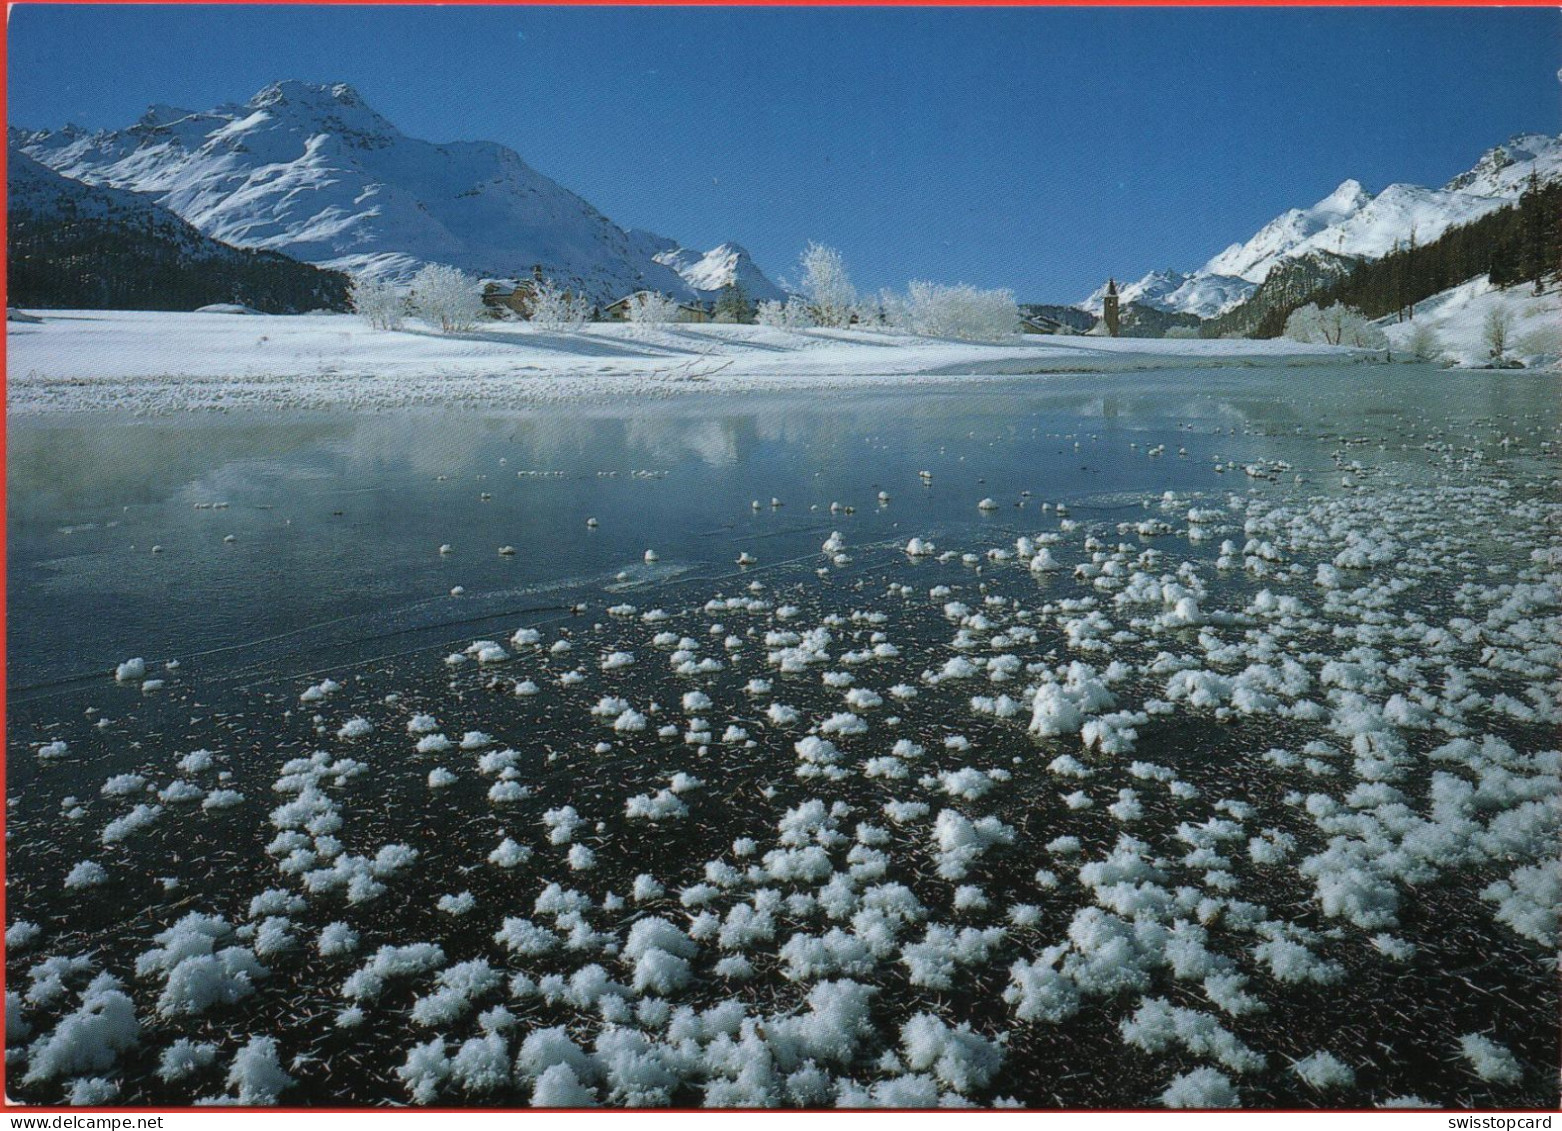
1230 779
337 519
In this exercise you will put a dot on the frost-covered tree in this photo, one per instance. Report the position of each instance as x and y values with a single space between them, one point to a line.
826 286
446 297
1496 329
556 308
886 312
1423 343
1305 324
1355 329
870 314
651 308
895 310
378 302
1182 333
1334 325
793 314
961 311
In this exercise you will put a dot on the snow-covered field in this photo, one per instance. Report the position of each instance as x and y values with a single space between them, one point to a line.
161 362
1244 795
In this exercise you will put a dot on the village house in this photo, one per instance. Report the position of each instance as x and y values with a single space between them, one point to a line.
618 311
516 298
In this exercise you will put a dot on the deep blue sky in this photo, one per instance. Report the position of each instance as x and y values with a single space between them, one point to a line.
1036 149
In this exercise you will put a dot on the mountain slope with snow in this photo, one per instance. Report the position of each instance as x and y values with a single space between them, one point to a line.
313 171
75 245
1458 320
1349 222
1280 237
1504 169
1398 216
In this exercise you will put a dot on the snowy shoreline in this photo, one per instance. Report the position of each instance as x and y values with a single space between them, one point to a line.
163 362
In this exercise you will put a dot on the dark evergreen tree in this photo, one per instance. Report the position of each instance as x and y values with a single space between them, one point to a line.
733 304
91 263
1539 236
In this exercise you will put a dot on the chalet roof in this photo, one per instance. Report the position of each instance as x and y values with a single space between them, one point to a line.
682 304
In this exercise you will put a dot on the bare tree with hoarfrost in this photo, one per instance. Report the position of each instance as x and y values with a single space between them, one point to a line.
378 302
651 308
884 312
825 284
1496 329
929 309
961 311
793 314
446 297
1423 343
556 308
1333 325
1356 329
871 314
1305 324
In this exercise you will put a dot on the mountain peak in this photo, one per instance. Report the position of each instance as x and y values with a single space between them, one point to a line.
1344 200
161 114
1174 292
294 106
1502 168
298 92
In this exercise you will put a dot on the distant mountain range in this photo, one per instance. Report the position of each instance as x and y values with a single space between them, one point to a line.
1349 224
312 171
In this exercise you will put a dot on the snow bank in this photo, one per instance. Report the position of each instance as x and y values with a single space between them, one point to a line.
1457 319
161 362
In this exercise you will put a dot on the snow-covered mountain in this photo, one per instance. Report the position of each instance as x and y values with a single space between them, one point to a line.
41 195
1197 293
1254 259
1397 216
313 171
1503 169
711 271
1349 222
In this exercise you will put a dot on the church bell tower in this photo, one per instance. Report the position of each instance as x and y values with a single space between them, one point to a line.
1109 308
